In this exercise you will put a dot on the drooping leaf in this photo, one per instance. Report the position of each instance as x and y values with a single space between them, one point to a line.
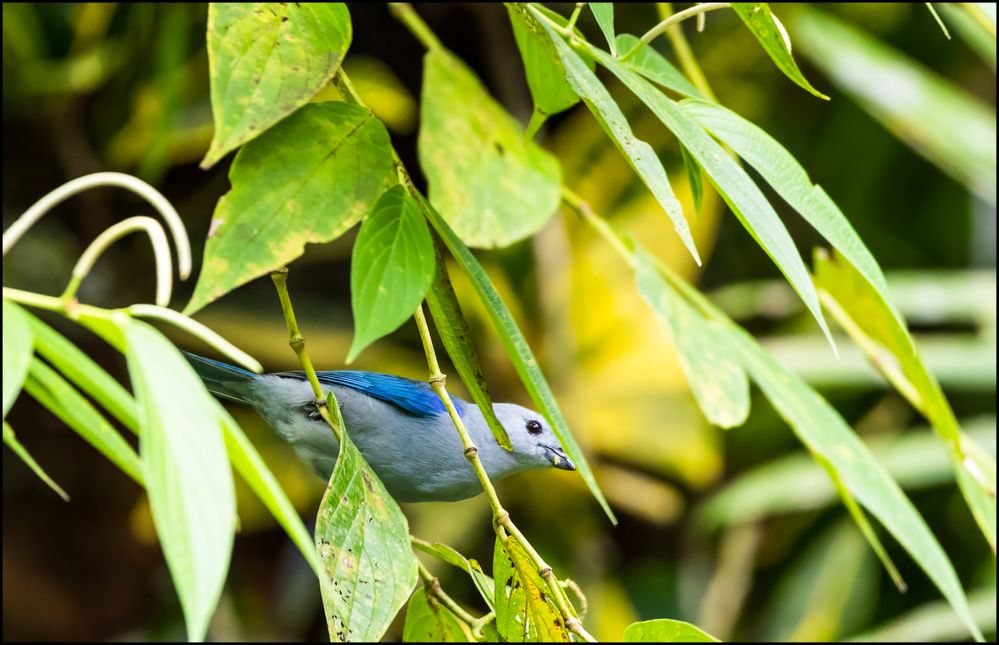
517 349
977 29
639 154
716 377
694 177
654 66
428 621
604 13
545 76
368 568
951 128
523 611
10 440
457 339
17 349
858 307
775 40
392 268
184 456
308 179
733 184
934 622
493 184
665 630
50 389
783 172
266 60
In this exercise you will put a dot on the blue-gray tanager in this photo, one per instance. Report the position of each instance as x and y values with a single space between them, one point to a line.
399 425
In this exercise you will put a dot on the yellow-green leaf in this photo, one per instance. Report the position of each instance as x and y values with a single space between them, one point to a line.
665 630
523 611
10 440
17 349
428 621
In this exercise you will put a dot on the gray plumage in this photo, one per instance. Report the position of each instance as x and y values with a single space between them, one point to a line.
399 425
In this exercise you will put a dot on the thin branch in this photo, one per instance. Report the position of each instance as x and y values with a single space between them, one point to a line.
671 21
574 17
412 20
688 62
433 587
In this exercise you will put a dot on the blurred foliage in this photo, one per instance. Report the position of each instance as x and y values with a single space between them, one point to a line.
733 531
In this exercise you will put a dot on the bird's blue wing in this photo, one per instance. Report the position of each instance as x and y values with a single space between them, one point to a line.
415 397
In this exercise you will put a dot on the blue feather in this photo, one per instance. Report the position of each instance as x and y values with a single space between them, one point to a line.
415 397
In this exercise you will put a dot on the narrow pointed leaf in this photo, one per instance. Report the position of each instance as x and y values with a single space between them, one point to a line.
665 630
639 154
17 348
604 13
771 34
10 440
391 269
368 567
494 185
523 612
308 179
457 338
694 177
545 76
428 621
265 61
654 66
965 20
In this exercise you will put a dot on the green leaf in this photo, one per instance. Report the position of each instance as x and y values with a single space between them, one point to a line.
861 311
717 379
470 566
369 569
10 440
50 389
655 67
950 127
733 184
186 470
665 630
772 35
307 180
17 349
545 76
457 338
604 13
84 373
694 177
391 270
523 612
266 60
428 621
517 349
974 27
639 154
783 172
934 622
493 184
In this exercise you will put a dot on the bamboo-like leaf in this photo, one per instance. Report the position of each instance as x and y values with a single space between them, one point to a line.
517 349
950 127
604 13
860 310
694 177
428 621
934 622
17 349
733 184
10 440
977 29
50 389
523 612
391 269
639 154
655 67
266 60
308 179
665 630
493 184
368 567
775 40
545 76
457 338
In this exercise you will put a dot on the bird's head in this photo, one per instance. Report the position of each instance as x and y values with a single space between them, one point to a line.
534 443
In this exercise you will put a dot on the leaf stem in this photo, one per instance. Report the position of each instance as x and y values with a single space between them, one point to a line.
569 26
433 587
670 21
688 62
412 20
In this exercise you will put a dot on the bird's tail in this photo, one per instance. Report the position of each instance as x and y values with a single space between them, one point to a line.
222 379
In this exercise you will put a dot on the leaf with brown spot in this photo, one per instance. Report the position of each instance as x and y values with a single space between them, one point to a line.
523 612
428 621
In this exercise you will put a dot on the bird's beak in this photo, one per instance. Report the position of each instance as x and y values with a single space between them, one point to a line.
559 459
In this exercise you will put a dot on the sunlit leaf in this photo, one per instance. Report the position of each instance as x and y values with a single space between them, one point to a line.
457 339
523 611
428 621
935 622
265 61
17 349
775 40
545 76
639 154
10 440
604 13
493 184
308 179
655 67
964 18
392 268
664 630
368 568
939 120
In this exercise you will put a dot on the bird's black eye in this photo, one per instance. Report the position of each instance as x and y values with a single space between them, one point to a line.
534 426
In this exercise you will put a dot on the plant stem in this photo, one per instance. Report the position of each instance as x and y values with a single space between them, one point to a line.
670 21
433 586
579 205
412 20
574 17
688 62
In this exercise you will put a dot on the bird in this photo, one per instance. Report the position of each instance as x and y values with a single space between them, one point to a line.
399 425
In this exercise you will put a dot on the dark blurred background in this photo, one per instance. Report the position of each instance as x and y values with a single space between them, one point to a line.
736 531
